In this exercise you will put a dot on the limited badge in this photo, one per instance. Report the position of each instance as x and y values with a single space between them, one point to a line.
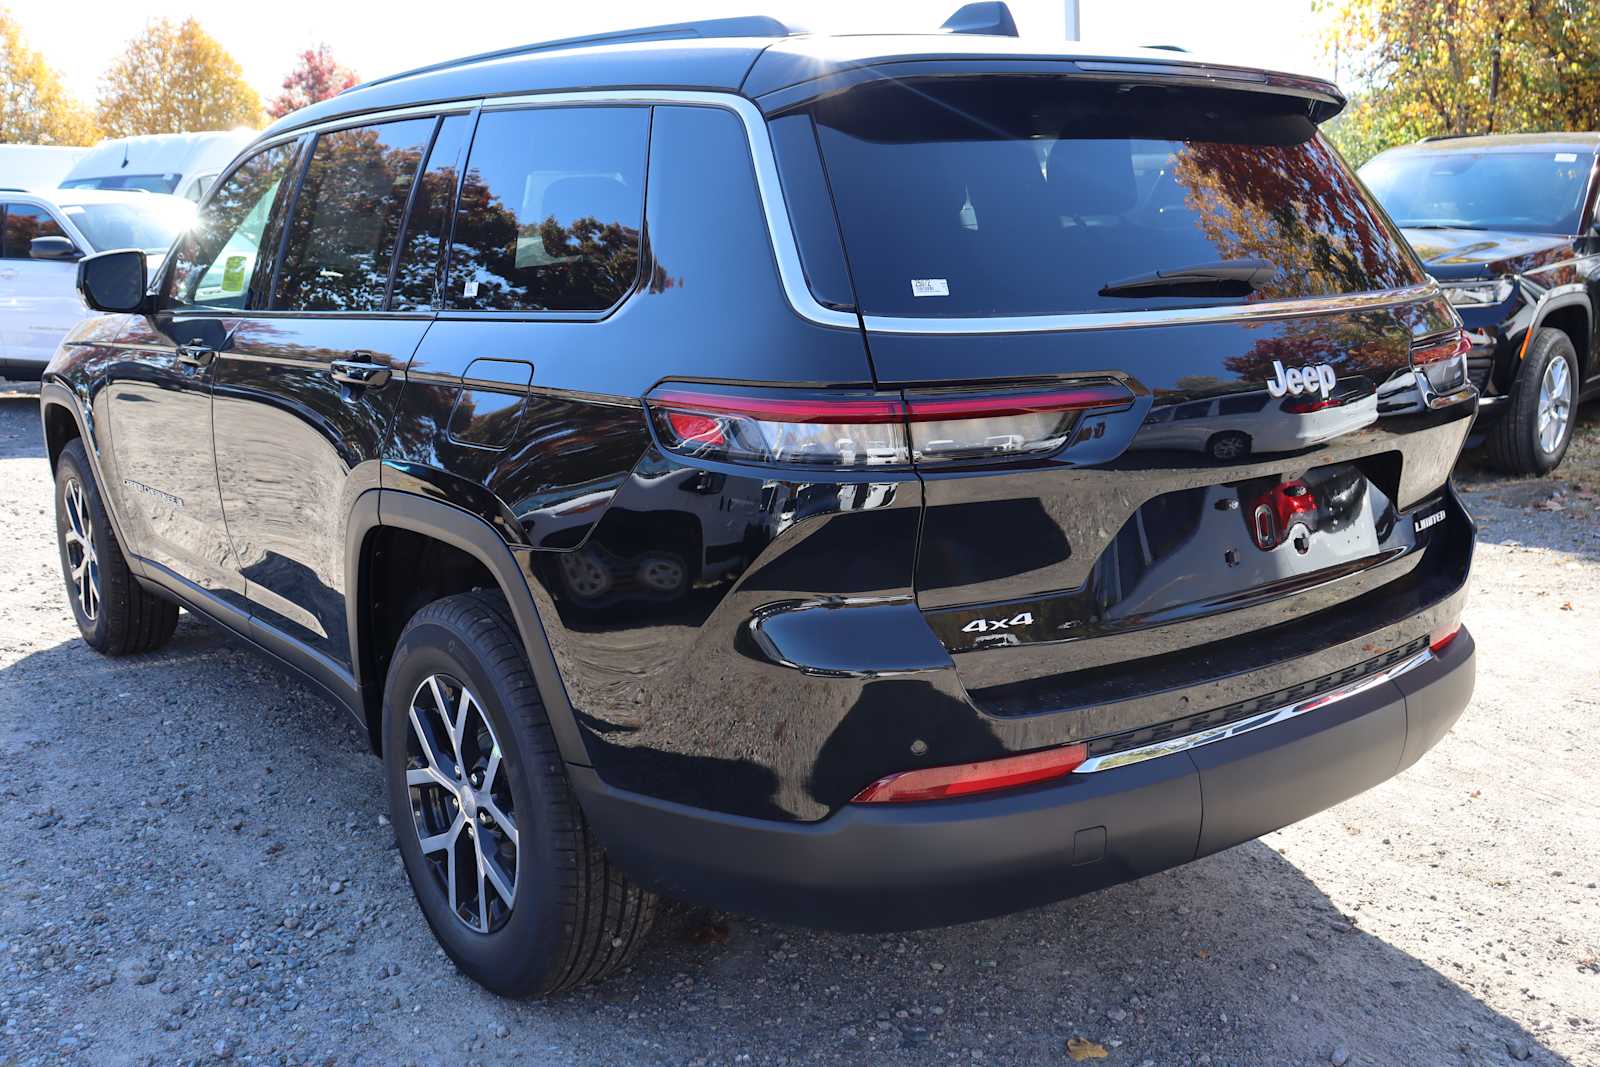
1430 520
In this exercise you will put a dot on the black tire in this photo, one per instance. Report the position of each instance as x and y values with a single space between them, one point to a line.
573 916
1228 445
1513 444
121 617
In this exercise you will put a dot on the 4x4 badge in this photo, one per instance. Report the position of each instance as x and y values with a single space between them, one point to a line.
983 626
1297 381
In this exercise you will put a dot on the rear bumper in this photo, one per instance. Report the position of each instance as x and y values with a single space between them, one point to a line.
918 865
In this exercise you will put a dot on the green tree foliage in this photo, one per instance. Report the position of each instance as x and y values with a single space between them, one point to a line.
34 107
175 78
1443 67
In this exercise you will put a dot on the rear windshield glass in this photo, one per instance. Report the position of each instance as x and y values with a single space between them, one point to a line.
149 183
1525 192
1017 195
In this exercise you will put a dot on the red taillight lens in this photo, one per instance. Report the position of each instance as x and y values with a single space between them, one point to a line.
1443 363
859 429
965 779
1441 638
847 430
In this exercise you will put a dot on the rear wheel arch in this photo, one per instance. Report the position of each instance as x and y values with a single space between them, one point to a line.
406 551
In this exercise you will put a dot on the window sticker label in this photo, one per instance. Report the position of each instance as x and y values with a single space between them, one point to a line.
233 275
930 287
470 288
1566 157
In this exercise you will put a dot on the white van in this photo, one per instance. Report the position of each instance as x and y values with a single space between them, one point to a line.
184 164
36 166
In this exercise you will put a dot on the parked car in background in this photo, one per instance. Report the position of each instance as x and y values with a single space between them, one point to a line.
184 164
42 237
726 483
36 166
1508 225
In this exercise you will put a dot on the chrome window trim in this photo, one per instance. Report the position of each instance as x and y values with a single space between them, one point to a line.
785 247
1188 742
1122 320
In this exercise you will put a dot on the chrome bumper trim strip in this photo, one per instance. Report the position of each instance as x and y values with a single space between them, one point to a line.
1254 722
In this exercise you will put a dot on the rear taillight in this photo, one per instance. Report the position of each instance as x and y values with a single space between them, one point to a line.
965 779
1442 637
856 429
1442 362
953 426
844 430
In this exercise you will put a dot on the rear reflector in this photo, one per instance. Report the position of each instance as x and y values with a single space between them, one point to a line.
1441 638
965 779
844 429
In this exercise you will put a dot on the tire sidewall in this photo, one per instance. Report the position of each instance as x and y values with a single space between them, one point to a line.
71 467
1550 345
526 950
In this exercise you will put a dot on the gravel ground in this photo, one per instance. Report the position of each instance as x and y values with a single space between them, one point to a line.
199 870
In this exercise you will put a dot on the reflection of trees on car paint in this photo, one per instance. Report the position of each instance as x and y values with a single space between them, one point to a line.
347 217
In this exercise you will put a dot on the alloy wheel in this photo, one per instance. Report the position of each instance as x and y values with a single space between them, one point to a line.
1555 405
461 802
83 562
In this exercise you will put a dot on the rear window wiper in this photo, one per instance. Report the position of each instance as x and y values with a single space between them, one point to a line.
1227 277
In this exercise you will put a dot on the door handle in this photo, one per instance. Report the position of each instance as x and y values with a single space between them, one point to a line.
196 355
359 373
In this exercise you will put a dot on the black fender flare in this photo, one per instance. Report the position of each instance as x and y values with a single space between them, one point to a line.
1574 295
463 530
56 394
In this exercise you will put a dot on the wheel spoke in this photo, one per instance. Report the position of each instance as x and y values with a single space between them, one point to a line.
445 839
502 821
440 763
490 769
497 877
483 892
458 728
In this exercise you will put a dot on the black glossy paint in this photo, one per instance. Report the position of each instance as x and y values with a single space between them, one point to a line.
763 642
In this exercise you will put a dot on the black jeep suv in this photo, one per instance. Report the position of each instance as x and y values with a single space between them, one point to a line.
1510 225
871 482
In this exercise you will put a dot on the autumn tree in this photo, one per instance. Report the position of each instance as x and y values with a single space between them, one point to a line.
1438 67
316 76
34 107
175 78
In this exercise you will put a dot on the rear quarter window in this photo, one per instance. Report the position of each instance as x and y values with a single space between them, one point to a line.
550 210
1029 195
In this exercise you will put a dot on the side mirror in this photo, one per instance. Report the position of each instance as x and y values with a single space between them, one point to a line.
53 248
114 281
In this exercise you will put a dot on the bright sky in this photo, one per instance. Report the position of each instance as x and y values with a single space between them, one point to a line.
80 38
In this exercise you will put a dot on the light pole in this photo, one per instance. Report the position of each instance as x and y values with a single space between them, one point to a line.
1072 19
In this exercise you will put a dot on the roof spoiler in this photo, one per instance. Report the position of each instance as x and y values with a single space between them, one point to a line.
740 26
989 19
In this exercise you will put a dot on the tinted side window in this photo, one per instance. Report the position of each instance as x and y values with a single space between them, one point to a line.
24 222
1194 411
550 210
215 264
416 272
346 218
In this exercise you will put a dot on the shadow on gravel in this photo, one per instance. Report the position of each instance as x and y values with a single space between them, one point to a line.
215 800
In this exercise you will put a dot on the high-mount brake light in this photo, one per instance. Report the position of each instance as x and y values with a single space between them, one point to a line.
1443 362
965 779
856 429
